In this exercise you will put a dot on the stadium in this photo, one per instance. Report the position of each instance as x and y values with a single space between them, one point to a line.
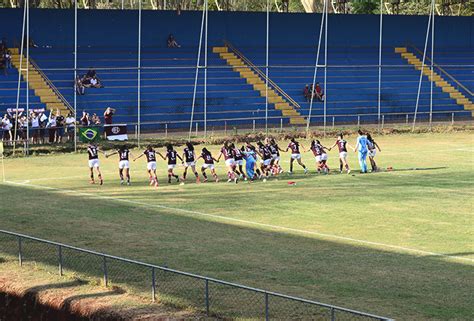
236 160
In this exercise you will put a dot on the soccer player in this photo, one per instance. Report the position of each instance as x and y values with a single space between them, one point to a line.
226 151
362 148
190 161
372 146
150 154
124 154
294 146
266 155
275 150
171 156
239 161
320 155
342 145
208 164
93 153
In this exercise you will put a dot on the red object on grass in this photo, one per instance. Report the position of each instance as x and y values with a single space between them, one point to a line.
291 183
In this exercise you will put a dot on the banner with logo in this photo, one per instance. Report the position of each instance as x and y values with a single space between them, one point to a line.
89 134
116 132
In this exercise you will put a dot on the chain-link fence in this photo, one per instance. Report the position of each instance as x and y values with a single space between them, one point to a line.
211 296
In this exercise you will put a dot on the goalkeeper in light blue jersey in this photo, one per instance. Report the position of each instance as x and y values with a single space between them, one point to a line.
362 150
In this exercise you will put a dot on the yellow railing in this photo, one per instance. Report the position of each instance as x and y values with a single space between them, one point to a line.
262 74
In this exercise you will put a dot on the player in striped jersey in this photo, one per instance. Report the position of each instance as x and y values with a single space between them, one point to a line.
294 146
208 164
124 164
342 146
93 154
373 146
171 156
190 161
226 152
150 154
320 156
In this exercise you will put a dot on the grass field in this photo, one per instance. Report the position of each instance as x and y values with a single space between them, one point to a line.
397 243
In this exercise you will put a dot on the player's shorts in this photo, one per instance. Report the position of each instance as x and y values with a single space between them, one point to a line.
275 157
208 166
239 162
171 166
323 157
151 166
343 155
295 156
372 153
267 162
94 163
187 164
230 162
124 164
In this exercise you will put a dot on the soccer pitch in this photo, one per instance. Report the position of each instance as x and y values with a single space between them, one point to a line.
396 243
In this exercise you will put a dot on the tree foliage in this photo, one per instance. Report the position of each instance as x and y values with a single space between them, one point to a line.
408 7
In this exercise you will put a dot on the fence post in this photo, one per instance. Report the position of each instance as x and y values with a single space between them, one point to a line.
197 129
20 252
267 315
104 266
281 125
407 119
136 131
60 259
166 130
206 289
153 285
358 120
333 121
383 120
333 315
253 126
452 119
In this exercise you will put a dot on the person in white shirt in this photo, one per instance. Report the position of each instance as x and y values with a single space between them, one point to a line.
70 127
51 127
35 127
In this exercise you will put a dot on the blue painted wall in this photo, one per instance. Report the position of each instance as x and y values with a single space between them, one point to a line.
116 27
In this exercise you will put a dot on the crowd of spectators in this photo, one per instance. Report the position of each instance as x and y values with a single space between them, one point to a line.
314 92
46 126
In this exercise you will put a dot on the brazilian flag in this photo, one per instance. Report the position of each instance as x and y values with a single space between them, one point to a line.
89 134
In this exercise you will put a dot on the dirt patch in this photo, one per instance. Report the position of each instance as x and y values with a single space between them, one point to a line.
29 293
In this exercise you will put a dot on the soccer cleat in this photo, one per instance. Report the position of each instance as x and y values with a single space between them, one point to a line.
128 183
121 182
205 180
229 180
101 182
91 181
156 183
217 180
290 173
152 181
198 181
306 171
236 180
348 171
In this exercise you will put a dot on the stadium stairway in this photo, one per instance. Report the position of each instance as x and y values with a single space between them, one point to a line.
39 83
236 61
438 80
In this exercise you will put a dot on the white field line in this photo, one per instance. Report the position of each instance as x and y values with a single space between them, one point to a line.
270 226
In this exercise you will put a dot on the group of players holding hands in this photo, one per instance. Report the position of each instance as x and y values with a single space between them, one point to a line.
249 162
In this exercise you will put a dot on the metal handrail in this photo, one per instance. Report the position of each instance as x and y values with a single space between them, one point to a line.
443 71
196 276
262 74
53 87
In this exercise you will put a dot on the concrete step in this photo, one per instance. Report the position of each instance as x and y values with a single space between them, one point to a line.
219 49
400 49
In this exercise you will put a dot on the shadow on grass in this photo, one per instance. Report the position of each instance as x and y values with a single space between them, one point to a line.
398 285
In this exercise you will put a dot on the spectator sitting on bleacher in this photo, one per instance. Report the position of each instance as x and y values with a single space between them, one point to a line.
306 93
172 42
90 80
80 89
318 92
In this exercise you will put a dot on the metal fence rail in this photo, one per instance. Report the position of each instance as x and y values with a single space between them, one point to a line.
208 295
